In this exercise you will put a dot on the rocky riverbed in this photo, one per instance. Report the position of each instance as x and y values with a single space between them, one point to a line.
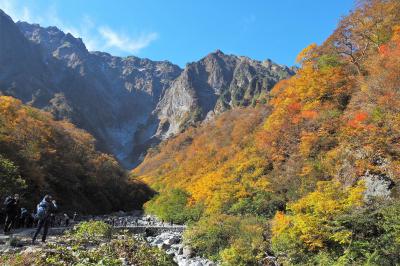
171 243
166 237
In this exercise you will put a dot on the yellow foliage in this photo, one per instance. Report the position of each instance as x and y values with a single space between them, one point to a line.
312 218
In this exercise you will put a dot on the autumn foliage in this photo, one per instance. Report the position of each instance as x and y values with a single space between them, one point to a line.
313 147
39 155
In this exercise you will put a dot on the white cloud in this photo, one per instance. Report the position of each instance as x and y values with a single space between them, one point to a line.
124 42
95 37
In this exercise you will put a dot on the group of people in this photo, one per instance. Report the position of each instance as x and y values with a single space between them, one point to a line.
44 217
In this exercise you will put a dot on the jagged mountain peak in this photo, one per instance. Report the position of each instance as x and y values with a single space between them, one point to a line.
215 83
51 37
127 103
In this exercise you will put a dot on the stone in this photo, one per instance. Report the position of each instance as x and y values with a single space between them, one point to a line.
180 251
196 263
187 252
163 246
172 240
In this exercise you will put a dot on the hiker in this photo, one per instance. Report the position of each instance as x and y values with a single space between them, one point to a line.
66 220
46 207
11 208
23 217
75 217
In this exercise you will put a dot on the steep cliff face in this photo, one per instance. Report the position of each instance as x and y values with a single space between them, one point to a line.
22 71
127 103
214 84
111 97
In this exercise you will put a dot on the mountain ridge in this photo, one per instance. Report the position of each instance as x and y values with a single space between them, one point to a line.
127 103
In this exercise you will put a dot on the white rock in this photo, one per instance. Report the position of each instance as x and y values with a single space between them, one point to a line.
187 252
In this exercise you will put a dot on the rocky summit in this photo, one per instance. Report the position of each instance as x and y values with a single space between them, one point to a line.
127 103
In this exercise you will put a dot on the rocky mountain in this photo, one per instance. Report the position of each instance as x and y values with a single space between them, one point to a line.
216 83
127 103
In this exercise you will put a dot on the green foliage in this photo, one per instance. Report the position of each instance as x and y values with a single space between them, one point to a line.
376 234
91 245
263 203
10 179
328 60
172 206
232 239
311 224
333 229
92 230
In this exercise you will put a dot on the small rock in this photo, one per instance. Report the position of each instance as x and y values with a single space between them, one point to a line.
163 246
180 250
187 252
124 261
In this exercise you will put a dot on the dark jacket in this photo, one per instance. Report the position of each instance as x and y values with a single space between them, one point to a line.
11 205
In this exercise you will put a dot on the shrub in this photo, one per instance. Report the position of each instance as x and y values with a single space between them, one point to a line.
10 179
232 239
72 250
173 206
92 231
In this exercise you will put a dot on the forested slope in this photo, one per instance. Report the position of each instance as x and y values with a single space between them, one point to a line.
311 177
39 155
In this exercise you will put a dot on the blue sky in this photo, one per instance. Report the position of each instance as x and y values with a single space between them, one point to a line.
186 30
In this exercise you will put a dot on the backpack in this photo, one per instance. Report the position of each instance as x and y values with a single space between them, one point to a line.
41 212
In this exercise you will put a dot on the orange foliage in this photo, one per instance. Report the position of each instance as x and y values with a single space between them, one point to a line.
56 157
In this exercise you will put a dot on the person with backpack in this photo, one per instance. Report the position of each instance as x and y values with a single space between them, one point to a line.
11 206
44 209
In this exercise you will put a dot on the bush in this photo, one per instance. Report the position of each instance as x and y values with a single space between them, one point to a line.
263 203
332 226
92 231
74 249
10 179
234 240
173 206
